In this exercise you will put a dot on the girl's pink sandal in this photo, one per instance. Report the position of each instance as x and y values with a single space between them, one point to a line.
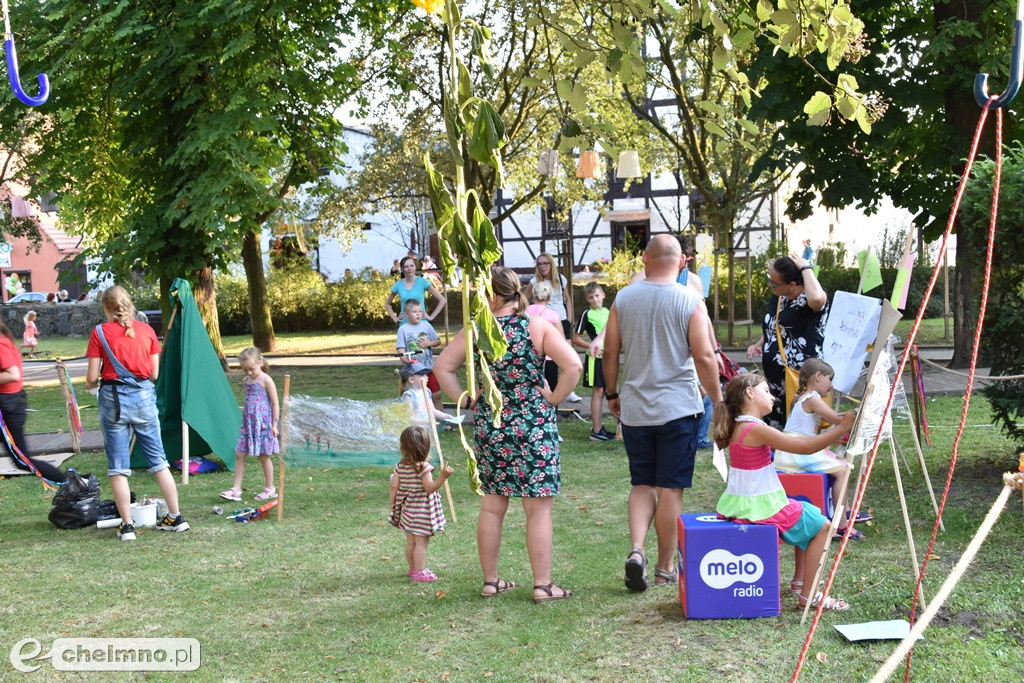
425 576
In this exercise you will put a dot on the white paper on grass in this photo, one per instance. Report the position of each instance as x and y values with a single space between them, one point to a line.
849 333
897 629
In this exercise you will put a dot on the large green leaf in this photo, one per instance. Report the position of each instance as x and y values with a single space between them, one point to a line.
453 128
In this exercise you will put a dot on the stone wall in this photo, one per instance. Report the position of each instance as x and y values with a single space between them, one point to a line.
54 320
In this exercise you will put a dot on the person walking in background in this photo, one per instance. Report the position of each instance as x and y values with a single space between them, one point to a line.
795 318
518 458
124 360
661 328
592 323
30 337
414 501
808 253
261 415
14 405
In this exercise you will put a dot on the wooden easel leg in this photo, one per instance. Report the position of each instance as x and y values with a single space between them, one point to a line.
906 516
437 445
281 445
927 478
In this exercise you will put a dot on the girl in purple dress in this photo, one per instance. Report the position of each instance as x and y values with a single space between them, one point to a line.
259 425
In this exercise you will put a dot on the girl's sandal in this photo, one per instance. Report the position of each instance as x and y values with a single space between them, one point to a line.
266 494
499 586
636 570
550 590
232 494
831 604
796 588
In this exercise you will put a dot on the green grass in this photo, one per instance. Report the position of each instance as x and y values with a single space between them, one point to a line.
323 596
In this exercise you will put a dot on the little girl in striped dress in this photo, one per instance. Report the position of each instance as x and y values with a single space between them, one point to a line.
415 503
754 494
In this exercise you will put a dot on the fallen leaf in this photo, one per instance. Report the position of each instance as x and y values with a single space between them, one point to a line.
583 507
677 642
821 657
934 557
489 674
440 594
598 523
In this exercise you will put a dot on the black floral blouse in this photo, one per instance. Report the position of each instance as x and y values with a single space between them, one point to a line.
803 334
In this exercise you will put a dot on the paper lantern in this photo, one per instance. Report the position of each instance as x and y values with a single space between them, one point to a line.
588 165
629 164
547 164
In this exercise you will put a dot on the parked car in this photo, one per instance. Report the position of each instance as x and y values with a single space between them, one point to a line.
155 319
28 298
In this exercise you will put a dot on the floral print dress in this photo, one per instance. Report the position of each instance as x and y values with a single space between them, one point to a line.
803 333
519 458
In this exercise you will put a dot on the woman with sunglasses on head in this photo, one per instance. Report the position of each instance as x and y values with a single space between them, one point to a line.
800 305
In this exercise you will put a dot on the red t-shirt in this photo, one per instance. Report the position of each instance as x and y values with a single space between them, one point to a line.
133 352
10 356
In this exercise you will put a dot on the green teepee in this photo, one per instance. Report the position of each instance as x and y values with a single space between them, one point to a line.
192 387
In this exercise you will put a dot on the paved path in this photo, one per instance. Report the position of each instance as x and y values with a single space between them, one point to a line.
936 383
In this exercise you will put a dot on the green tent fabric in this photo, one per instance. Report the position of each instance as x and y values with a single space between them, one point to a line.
192 386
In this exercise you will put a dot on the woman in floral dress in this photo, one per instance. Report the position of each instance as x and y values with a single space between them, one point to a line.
519 457
802 316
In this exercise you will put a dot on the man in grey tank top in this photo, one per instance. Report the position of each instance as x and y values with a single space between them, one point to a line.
661 328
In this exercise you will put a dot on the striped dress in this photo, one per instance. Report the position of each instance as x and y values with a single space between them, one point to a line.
416 511
754 494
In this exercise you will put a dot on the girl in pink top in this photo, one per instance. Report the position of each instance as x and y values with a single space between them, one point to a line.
30 337
754 494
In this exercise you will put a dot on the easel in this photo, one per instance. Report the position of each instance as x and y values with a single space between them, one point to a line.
437 444
74 419
282 442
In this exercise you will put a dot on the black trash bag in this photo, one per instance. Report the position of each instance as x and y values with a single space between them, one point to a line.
76 502
106 510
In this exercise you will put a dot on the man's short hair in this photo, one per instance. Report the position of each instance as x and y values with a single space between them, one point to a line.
412 302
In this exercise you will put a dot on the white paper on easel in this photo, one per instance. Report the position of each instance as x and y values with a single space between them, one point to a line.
849 333
872 410
718 460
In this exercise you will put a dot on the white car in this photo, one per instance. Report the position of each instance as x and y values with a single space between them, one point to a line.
28 298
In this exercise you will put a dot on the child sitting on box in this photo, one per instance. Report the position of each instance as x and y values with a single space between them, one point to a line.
809 408
754 494
416 338
592 322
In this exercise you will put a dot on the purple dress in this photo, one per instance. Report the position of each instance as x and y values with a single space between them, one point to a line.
256 437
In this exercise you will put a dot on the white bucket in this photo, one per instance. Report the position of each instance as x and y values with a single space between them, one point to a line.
144 515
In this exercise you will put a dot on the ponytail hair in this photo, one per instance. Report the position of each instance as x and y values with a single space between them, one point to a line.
506 288
118 306
414 445
723 422
812 366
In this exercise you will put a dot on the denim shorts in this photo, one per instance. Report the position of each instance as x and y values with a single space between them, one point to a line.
139 414
662 455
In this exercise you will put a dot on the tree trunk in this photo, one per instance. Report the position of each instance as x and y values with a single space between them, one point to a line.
206 299
259 304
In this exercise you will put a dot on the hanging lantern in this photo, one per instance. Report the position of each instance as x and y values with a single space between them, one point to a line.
629 164
588 165
547 164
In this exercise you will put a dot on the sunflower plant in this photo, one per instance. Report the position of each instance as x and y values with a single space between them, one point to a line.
468 242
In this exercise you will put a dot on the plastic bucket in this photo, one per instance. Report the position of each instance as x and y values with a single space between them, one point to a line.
144 515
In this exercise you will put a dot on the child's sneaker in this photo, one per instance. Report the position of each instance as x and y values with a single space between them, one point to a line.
232 494
425 576
176 523
573 397
601 435
125 532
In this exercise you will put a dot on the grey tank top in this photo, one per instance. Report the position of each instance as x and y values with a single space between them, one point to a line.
658 381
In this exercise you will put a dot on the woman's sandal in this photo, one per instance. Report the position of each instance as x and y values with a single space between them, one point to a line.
831 604
670 578
636 572
499 586
550 597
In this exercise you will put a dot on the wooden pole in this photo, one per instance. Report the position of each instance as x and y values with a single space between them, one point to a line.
437 445
69 404
927 478
282 443
184 453
906 517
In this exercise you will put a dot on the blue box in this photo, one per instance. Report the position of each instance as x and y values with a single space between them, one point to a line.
727 570
815 489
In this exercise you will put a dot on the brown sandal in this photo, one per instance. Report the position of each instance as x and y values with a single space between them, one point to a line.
499 586
550 597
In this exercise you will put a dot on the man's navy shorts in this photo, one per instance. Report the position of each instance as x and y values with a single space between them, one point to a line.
662 455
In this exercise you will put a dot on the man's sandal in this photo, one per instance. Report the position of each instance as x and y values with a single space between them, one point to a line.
499 586
636 570
550 597
669 578
831 604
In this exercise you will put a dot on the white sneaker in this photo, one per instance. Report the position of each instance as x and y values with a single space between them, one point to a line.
573 397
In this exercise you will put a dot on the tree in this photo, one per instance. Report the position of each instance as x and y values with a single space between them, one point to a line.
921 71
179 128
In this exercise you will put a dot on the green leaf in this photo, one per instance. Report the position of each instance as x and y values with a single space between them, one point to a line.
764 10
488 133
714 128
441 204
720 59
531 82
743 38
465 87
863 120
749 126
847 106
486 239
818 103
453 128
711 107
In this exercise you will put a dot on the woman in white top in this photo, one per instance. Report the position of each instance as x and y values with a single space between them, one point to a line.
561 297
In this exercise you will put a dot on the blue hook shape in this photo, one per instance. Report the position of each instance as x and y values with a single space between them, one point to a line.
981 95
12 73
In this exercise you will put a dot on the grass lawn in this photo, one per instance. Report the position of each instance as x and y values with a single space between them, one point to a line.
324 596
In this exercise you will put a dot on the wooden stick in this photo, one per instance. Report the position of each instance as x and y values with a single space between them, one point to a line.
184 453
69 405
906 518
927 478
281 445
899 450
437 445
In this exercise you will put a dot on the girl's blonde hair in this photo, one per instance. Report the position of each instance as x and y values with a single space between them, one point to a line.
31 315
252 354
542 291
723 421
414 444
118 306
556 281
812 366
506 288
